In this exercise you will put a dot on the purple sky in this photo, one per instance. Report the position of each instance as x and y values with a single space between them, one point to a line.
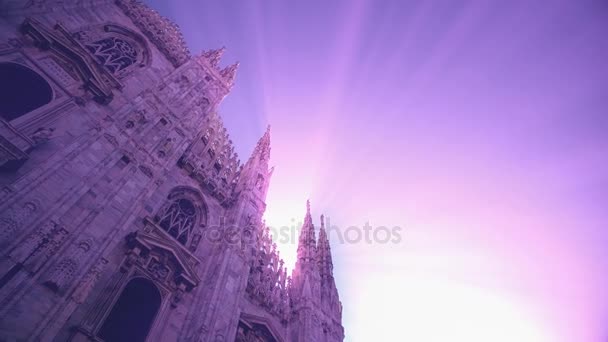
479 127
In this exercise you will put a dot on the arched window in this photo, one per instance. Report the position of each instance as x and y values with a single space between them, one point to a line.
179 219
247 331
133 314
21 90
115 54
118 49
182 216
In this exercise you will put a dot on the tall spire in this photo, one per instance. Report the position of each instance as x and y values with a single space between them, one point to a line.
229 73
329 299
213 56
307 243
262 148
256 173
324 252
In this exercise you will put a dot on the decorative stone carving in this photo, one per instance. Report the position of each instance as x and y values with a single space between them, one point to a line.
111 139
212 162
165 34
229 74
178 294
12 221
42 135
44 244
166 147
64 272
146 171
157 270
253 332
89 280
137 118
267 282
182 216
99 81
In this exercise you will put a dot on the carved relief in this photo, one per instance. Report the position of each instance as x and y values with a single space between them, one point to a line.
63 73
42 135
64 272
43 245
146 171
157 270
166 147
88 281
182 216
253 332
160 30
138 117
116 48
13 220
111 139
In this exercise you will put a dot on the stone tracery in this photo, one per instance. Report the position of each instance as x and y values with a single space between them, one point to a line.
114 47
181 217
113 53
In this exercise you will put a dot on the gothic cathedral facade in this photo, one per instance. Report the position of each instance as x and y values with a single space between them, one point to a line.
125 214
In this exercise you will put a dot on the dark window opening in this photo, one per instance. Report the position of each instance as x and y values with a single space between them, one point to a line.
125 160
133 314
21 91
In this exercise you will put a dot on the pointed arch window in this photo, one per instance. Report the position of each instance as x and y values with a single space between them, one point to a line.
133 314
181 217
118 49
21 90
115 54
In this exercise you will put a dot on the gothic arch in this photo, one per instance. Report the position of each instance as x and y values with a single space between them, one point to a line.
183 216
118 49
132 315
255 328
21 90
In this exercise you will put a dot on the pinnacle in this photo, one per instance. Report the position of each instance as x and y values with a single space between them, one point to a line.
214 55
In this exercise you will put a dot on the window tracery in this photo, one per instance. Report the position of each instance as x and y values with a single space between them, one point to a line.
115 54
114 47
181 217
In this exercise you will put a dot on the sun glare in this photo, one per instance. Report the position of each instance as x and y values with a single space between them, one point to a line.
428 310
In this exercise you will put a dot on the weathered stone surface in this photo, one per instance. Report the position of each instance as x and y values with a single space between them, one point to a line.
128 179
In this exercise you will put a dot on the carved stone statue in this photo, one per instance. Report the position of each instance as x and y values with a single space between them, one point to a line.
42 135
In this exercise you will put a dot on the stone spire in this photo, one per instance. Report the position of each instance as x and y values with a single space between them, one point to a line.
307 244
256 174
229 74
329 299
306 273
213 56
324 253
262 148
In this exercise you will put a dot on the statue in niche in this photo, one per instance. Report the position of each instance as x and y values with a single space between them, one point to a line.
42 135
166 147
138 117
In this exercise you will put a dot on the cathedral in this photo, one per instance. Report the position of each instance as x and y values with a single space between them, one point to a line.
125 214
